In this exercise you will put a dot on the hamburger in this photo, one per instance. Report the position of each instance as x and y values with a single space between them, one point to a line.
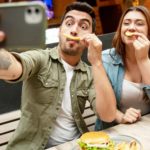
95 141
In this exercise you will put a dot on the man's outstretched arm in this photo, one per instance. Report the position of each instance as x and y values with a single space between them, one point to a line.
10 67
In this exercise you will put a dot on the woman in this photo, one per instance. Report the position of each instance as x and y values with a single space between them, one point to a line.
128 66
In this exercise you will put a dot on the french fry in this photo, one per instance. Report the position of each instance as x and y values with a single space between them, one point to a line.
122 146
76 38
127 146
128 33
133 145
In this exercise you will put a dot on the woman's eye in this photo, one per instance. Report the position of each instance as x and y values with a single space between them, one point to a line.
140 23
126 23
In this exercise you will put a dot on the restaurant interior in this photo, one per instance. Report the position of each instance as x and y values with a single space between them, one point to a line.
108 13
105 11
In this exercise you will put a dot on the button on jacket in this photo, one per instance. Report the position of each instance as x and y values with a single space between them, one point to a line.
44 80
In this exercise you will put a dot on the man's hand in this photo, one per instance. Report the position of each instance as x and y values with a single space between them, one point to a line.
94 46
104 93
10 67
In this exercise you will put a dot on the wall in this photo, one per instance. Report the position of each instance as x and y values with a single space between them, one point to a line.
10 96
105 11
59 9
147 3
105 23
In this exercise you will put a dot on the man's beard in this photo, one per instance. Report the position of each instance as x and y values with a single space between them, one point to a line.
70 52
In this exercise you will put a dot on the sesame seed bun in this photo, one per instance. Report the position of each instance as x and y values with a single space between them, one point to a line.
95 137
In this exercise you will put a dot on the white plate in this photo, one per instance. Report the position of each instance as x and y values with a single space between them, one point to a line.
125 138
119 139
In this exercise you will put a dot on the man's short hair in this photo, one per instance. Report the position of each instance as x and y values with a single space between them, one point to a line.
84 7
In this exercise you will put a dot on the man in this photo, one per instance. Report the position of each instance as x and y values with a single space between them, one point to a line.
57 84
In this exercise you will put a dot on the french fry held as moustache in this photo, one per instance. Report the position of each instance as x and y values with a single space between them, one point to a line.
76 38
129 34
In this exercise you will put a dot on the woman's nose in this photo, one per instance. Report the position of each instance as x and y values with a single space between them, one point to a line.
132 26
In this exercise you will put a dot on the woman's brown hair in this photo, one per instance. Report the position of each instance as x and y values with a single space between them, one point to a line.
117 41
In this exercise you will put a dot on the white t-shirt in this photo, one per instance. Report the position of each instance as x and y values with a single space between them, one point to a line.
133 96
65 128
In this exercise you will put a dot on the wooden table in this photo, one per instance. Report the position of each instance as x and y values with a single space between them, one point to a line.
139 130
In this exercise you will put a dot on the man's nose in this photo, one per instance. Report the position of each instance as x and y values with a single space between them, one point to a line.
74 30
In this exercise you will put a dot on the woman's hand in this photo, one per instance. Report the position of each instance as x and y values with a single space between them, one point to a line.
142 47
131 115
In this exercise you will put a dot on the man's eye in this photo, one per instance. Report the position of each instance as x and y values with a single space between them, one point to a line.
84 26
69 23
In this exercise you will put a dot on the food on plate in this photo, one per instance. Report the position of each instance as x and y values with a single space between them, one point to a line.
102 141
128 33
127 146
95 141
76 38
133 145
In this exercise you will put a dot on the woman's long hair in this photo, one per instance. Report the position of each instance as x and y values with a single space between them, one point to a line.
117 41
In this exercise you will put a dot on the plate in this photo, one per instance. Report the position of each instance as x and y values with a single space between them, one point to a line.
120 139
125 138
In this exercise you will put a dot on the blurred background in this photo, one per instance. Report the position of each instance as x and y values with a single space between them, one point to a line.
108 12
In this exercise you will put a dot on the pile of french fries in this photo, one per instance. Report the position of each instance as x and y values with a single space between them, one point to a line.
133 145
